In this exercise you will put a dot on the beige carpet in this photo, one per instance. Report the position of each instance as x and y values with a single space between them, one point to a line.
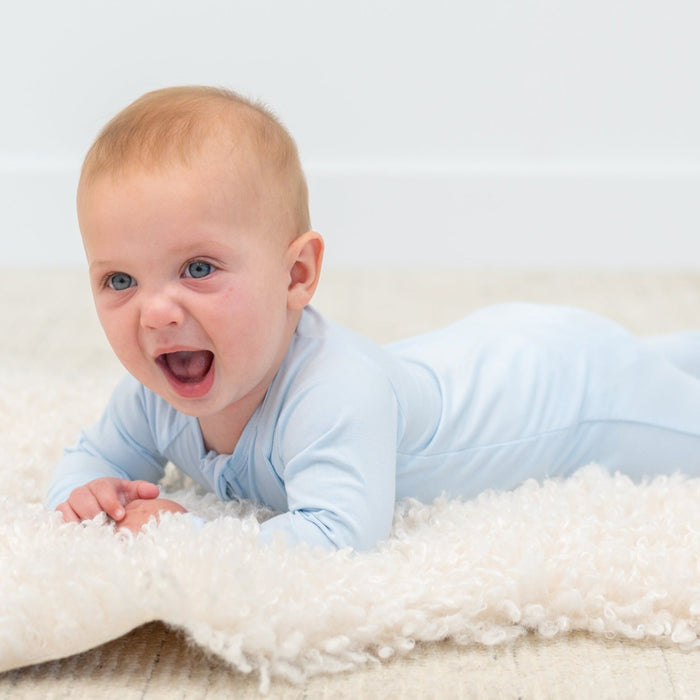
155 662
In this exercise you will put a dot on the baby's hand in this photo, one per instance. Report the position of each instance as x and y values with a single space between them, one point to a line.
139 512
108 495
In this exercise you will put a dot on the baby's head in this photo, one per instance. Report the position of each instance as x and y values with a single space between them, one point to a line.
193 211
177 126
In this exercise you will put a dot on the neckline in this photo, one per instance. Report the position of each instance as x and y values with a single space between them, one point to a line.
252 422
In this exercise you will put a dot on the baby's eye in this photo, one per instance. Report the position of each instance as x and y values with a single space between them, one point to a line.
120 281
198 269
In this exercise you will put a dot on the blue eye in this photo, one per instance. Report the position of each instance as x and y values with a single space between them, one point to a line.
120 281
199 269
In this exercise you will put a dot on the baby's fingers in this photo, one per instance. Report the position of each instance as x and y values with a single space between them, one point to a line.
83 504
114 495
111 496
69 515
146 490
136 490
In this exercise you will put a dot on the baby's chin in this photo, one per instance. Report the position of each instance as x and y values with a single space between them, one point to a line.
195 407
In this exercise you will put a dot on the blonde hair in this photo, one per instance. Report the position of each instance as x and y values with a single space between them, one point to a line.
173 124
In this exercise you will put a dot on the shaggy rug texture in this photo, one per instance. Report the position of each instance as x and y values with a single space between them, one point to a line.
595 552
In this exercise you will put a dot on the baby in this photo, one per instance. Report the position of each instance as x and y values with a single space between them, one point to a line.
193 212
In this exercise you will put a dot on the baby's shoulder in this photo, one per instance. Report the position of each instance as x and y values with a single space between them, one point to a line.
333 381
322 348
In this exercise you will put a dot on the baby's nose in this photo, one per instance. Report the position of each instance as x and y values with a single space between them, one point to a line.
160 309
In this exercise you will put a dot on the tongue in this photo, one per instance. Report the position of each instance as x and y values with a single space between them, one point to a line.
189 366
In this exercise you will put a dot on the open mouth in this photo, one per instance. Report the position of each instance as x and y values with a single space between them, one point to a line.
190 372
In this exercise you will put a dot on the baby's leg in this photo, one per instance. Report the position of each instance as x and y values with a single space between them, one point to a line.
680 349
645 409
543 391
578 389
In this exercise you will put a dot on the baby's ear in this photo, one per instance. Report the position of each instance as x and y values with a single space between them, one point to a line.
305 255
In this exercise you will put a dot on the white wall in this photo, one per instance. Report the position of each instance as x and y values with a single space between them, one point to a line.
505 132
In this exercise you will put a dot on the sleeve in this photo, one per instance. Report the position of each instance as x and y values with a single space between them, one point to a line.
337 447
120 445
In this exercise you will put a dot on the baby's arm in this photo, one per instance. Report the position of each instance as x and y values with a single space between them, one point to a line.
113 463
337 454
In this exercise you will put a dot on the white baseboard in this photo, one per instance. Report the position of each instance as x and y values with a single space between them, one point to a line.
524 217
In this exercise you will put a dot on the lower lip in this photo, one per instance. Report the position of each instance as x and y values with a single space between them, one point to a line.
191 390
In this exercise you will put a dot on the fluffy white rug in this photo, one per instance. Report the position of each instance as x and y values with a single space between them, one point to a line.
594 552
